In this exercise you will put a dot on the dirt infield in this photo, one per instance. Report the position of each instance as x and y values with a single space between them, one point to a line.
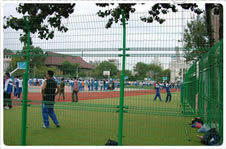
98 95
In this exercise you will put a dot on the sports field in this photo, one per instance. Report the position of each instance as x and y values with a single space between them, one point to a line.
95 120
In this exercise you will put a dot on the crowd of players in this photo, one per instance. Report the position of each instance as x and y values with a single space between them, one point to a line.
92 85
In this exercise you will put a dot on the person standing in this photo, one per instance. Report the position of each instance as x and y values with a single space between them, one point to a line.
15 85
49 90
71 83
62 85
88 84
107 84
34 82
8 88
96 85
101 85
92 84
75 91
83 85
104 84
19 87
157 89
168 86
113 84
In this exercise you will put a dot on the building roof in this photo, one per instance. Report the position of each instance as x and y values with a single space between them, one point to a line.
8 52
57 59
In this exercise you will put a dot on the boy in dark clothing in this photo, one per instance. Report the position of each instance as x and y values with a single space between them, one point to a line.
48 93
168 86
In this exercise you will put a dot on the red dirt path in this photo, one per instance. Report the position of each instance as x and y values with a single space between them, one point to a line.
98 95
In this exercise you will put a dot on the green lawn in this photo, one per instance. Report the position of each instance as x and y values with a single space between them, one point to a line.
93 122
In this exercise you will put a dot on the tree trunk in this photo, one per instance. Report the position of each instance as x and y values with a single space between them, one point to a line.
221 23
209 26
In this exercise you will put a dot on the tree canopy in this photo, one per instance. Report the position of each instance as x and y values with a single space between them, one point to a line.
37 58
105 66
154 71
69 68
154 12
45 19
196 39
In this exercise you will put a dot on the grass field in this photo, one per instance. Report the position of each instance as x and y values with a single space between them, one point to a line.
93 122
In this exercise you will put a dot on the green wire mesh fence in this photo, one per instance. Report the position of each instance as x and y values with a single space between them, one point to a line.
203 88
91 53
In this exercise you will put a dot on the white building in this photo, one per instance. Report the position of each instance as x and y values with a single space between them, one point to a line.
156 61
177 66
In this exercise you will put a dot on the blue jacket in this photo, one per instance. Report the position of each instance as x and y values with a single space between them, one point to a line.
8 88
168 86
157 88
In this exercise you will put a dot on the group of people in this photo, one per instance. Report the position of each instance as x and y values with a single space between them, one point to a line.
10 86
18 86
35 82
94 84
50 89
167 86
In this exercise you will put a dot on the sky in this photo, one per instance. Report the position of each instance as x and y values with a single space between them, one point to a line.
87 33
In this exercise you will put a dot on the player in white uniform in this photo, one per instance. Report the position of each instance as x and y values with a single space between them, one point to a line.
20 86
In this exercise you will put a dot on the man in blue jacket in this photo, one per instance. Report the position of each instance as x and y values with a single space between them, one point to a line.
92 84
168 86
157 89
8 87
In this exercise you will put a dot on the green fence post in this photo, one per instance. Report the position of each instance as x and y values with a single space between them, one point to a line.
221 91
120 128
25 89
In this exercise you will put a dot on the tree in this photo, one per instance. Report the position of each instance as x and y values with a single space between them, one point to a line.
163 8
13 63
154 12
166 73
128 73
105 66
44 19
37 59
68 68
196 39
39 72
141 70
155 71
37 56
149 70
